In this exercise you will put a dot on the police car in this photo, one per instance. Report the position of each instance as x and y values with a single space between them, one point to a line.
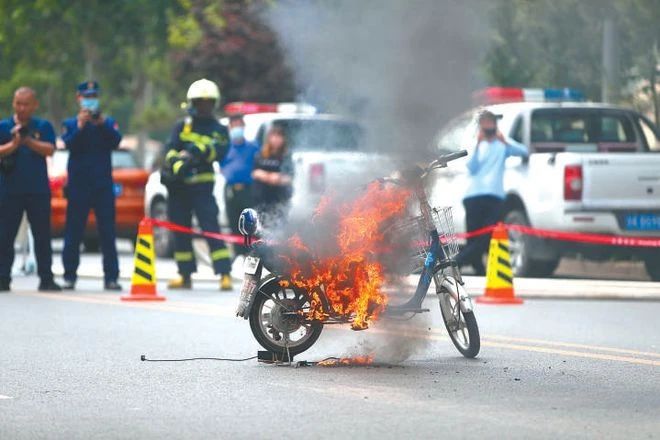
593 168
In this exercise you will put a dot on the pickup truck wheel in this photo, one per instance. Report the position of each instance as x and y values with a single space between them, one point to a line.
163 238
652 268
520 245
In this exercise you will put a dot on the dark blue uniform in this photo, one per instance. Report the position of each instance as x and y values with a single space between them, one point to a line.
194 145
90 186
26 189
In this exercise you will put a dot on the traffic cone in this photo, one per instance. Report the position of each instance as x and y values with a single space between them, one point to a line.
143 283
499 276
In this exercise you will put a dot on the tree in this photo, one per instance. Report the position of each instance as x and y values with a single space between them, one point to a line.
228 42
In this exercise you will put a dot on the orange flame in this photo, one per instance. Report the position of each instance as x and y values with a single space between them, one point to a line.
367 359
352 277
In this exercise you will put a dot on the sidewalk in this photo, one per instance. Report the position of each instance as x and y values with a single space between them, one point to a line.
543 288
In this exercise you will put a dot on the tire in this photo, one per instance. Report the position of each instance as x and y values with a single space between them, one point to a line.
522 263
470 346
267 339
163 238
652 268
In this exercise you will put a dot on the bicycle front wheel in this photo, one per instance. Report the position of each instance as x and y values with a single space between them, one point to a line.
461 326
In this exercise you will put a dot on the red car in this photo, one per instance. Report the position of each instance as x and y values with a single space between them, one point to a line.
129 181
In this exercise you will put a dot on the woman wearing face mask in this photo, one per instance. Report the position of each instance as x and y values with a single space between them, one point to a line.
237 168
273 177
484 198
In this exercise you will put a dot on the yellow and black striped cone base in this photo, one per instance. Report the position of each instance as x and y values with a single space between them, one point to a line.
499 275
143 283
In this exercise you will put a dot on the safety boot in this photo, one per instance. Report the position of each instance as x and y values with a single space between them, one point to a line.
182 282
225 283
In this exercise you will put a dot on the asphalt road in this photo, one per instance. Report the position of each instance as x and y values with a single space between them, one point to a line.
70 368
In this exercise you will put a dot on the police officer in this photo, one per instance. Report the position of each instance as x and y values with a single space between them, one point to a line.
25 141
195 143
90 138
237 168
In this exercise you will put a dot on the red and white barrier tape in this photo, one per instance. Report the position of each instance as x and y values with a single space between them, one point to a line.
578 237
231 238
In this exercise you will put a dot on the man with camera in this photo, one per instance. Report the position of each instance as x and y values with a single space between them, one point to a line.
25 141
90 138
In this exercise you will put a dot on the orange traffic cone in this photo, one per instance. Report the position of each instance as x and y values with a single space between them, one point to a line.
143 283
499 276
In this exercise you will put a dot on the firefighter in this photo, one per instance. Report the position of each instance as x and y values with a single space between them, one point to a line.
90 137
195 143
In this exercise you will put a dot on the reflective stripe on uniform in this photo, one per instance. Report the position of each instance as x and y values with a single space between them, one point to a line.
195 138
183 256
202 142
171 155
219 254
200 178
176 166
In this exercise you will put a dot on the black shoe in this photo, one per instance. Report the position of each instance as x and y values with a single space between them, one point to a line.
49 286
69 285
4 285
112 285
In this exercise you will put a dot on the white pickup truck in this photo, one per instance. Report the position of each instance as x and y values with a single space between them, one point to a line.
327 153
593 168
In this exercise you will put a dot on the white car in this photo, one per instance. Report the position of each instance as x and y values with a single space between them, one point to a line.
593 168
326 154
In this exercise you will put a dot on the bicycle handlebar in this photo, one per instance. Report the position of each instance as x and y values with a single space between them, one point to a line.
452 156
440 162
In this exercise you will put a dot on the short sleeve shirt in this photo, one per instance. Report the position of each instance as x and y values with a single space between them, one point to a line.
29 175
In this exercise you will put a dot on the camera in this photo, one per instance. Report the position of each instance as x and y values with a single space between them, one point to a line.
96 115
23 131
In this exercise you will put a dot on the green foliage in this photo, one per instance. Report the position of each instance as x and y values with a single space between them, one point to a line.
550 43
143 52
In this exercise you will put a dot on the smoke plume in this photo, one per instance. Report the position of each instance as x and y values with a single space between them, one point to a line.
402 68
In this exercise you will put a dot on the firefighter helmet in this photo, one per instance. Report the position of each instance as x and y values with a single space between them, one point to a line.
203 89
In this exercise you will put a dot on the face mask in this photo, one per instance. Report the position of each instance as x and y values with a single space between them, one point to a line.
91 104
236 134
490 132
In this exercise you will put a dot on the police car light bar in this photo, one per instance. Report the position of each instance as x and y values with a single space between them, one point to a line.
500 95
246 108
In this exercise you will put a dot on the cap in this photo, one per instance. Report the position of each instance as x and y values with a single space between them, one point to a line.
88 88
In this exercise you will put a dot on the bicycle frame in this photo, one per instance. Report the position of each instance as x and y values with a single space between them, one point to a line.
435 264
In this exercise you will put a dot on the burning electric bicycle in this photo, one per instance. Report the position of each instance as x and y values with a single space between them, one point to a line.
278 310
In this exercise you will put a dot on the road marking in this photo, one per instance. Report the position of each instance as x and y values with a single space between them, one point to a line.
573 353
573 345
3 397
495 341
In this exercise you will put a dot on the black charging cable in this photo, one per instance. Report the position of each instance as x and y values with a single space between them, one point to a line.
145 359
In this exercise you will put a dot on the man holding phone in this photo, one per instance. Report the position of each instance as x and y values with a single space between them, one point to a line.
25 141
90 138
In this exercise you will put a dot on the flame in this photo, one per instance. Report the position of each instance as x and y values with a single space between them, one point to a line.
352 276
367 359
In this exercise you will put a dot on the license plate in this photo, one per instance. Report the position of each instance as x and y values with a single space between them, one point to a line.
642 222
250 265
117 189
